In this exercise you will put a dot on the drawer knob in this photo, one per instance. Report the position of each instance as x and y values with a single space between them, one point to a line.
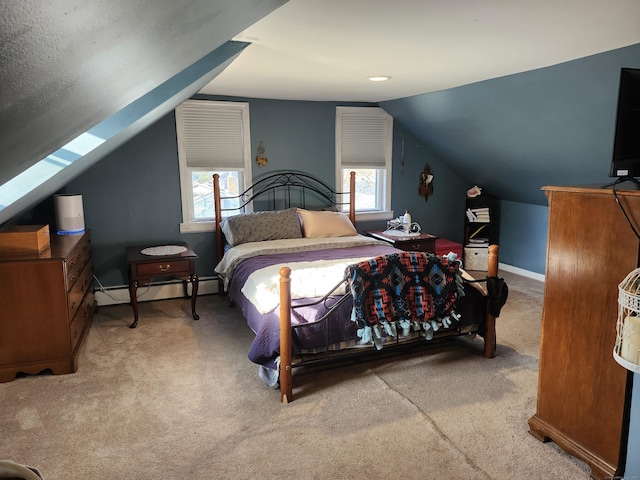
164 268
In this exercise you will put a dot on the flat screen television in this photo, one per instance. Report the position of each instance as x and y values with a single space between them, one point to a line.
626 148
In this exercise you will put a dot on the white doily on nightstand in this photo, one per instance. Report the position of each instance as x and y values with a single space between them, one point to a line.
164 250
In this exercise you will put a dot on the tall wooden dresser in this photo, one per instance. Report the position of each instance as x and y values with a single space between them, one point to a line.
583 394
46 307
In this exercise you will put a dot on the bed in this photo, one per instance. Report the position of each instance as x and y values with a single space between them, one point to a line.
313 289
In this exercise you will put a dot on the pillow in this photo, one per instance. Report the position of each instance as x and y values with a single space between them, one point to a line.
260 226
322 224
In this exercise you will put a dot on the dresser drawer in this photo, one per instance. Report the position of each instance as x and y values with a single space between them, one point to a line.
81 319
76 294
77 261
172 267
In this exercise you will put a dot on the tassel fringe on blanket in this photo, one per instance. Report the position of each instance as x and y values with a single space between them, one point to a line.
403 291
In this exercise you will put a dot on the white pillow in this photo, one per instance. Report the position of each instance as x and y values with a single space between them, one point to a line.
324 224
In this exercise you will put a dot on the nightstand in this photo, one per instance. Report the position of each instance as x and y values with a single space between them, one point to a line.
423 242
167 261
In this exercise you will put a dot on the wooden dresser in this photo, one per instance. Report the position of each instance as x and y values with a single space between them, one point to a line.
583 394
46 307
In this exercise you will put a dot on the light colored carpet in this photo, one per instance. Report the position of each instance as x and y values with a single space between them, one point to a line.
178 399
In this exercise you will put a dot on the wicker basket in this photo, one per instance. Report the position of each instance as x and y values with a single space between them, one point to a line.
627 348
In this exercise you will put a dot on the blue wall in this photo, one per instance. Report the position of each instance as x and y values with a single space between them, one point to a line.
513 135
517 133
523 235
132 196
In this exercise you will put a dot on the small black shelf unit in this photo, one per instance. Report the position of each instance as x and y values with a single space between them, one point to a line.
482 221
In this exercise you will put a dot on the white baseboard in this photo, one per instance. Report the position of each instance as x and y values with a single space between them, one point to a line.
158 291
521 271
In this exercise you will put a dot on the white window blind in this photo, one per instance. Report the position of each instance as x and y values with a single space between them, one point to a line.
364 137
212 135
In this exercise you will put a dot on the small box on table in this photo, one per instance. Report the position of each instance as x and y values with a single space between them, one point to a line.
24 239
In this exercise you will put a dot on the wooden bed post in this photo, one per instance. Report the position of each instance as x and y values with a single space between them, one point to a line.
352 197
490 324
218 213
286 387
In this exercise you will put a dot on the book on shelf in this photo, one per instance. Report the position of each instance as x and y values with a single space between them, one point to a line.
477 231
478 242
475 216
480 210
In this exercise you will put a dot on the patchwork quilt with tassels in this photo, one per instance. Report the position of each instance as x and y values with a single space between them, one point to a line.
409 290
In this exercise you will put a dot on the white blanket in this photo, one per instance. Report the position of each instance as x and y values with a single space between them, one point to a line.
235 255
308 279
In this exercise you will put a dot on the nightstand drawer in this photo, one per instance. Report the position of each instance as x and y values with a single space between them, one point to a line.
172 267
418 245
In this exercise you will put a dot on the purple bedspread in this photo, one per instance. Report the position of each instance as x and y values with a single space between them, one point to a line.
316 336
266 346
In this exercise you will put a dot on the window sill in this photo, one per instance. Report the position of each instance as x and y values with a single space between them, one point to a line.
367 216
196 227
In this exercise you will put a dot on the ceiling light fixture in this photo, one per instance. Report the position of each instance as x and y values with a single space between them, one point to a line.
379 78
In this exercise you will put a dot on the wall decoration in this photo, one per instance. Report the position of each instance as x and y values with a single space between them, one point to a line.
426 182
261 158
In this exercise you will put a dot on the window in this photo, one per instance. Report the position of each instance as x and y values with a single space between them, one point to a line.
364 140
213 137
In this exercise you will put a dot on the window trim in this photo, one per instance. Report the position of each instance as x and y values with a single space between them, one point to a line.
189 224
385 212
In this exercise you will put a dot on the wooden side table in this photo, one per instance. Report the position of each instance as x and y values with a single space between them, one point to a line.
167 261
424 242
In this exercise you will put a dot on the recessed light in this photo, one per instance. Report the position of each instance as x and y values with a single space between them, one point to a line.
378 78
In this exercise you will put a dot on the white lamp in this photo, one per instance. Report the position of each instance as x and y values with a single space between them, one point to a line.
627 348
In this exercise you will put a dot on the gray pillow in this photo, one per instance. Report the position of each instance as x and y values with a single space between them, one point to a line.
260 226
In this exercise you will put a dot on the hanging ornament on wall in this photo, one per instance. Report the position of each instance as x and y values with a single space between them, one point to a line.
426 182
261 158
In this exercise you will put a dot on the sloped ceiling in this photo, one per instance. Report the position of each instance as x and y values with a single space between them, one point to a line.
515 134
511 95
70 64
324 50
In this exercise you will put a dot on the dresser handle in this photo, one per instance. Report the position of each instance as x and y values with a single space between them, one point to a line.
73 304
165 268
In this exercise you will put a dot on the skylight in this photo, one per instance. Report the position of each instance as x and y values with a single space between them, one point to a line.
46 168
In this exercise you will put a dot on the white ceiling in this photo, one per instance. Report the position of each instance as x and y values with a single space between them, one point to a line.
324 49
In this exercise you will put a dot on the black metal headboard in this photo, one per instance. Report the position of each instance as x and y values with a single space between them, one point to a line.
284 189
